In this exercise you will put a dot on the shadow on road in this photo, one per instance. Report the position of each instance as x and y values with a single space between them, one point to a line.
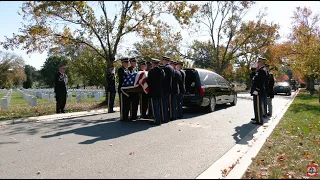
192 112
110 129
244 130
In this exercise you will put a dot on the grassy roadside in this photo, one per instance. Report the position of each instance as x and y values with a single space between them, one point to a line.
294 143
19 108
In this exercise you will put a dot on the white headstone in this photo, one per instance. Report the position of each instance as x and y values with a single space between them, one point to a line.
70 96
4 103
51 98
96 95
85 97
78 98
34 101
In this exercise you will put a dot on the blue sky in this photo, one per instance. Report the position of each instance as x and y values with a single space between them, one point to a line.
278 12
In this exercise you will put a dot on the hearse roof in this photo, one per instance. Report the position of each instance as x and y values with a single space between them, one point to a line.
204 71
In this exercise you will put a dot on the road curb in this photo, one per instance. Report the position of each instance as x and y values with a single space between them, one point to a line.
236 161
57 116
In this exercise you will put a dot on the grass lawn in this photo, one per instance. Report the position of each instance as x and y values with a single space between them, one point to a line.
294 143
19 108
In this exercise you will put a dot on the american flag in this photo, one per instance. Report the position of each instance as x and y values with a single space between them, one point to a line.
134 80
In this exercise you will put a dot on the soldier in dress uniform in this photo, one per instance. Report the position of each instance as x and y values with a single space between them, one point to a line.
155 82
123 71
111 89
266 89
144 100
174 91
167 88
257 90
134 97
149 113
270 93
149 66
182 89
60 89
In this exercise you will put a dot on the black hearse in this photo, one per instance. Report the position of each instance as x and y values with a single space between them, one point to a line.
205 88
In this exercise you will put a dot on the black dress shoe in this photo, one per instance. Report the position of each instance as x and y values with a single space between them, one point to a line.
253 119
111 112
63 111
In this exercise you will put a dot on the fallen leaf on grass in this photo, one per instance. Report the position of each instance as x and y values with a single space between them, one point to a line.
300 143
282 165
282 157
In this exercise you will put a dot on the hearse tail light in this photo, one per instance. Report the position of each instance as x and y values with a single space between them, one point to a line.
201 91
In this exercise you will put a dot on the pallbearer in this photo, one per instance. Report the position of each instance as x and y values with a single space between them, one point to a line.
167 88
133 96
155 83
111 90
143 96
182 89
123 72
176 78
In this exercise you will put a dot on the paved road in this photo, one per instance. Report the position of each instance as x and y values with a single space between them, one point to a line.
100 146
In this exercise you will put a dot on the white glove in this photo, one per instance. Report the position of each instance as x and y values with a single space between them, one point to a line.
255 92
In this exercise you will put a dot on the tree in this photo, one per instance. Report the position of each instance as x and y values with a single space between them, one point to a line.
305 42
82 25
257 37
50 68
88 67
219 51
11 69
160 41
30 72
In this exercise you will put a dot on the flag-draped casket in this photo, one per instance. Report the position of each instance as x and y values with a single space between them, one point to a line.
135 82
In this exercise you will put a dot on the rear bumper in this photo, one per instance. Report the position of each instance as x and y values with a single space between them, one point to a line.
284 90
192 101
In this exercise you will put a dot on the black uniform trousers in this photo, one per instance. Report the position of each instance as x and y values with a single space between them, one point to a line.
144 105
173 106
156 109
165 105
61 102
134 103
110 101
179 105
124 107
258 104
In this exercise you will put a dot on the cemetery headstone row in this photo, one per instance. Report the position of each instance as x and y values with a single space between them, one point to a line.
5 101
32 100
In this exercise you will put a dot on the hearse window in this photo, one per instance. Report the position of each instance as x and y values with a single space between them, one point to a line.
208 78
221 81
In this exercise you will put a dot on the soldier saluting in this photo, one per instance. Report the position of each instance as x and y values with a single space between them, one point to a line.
123 72
167 87
155 80
258 90
111 94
